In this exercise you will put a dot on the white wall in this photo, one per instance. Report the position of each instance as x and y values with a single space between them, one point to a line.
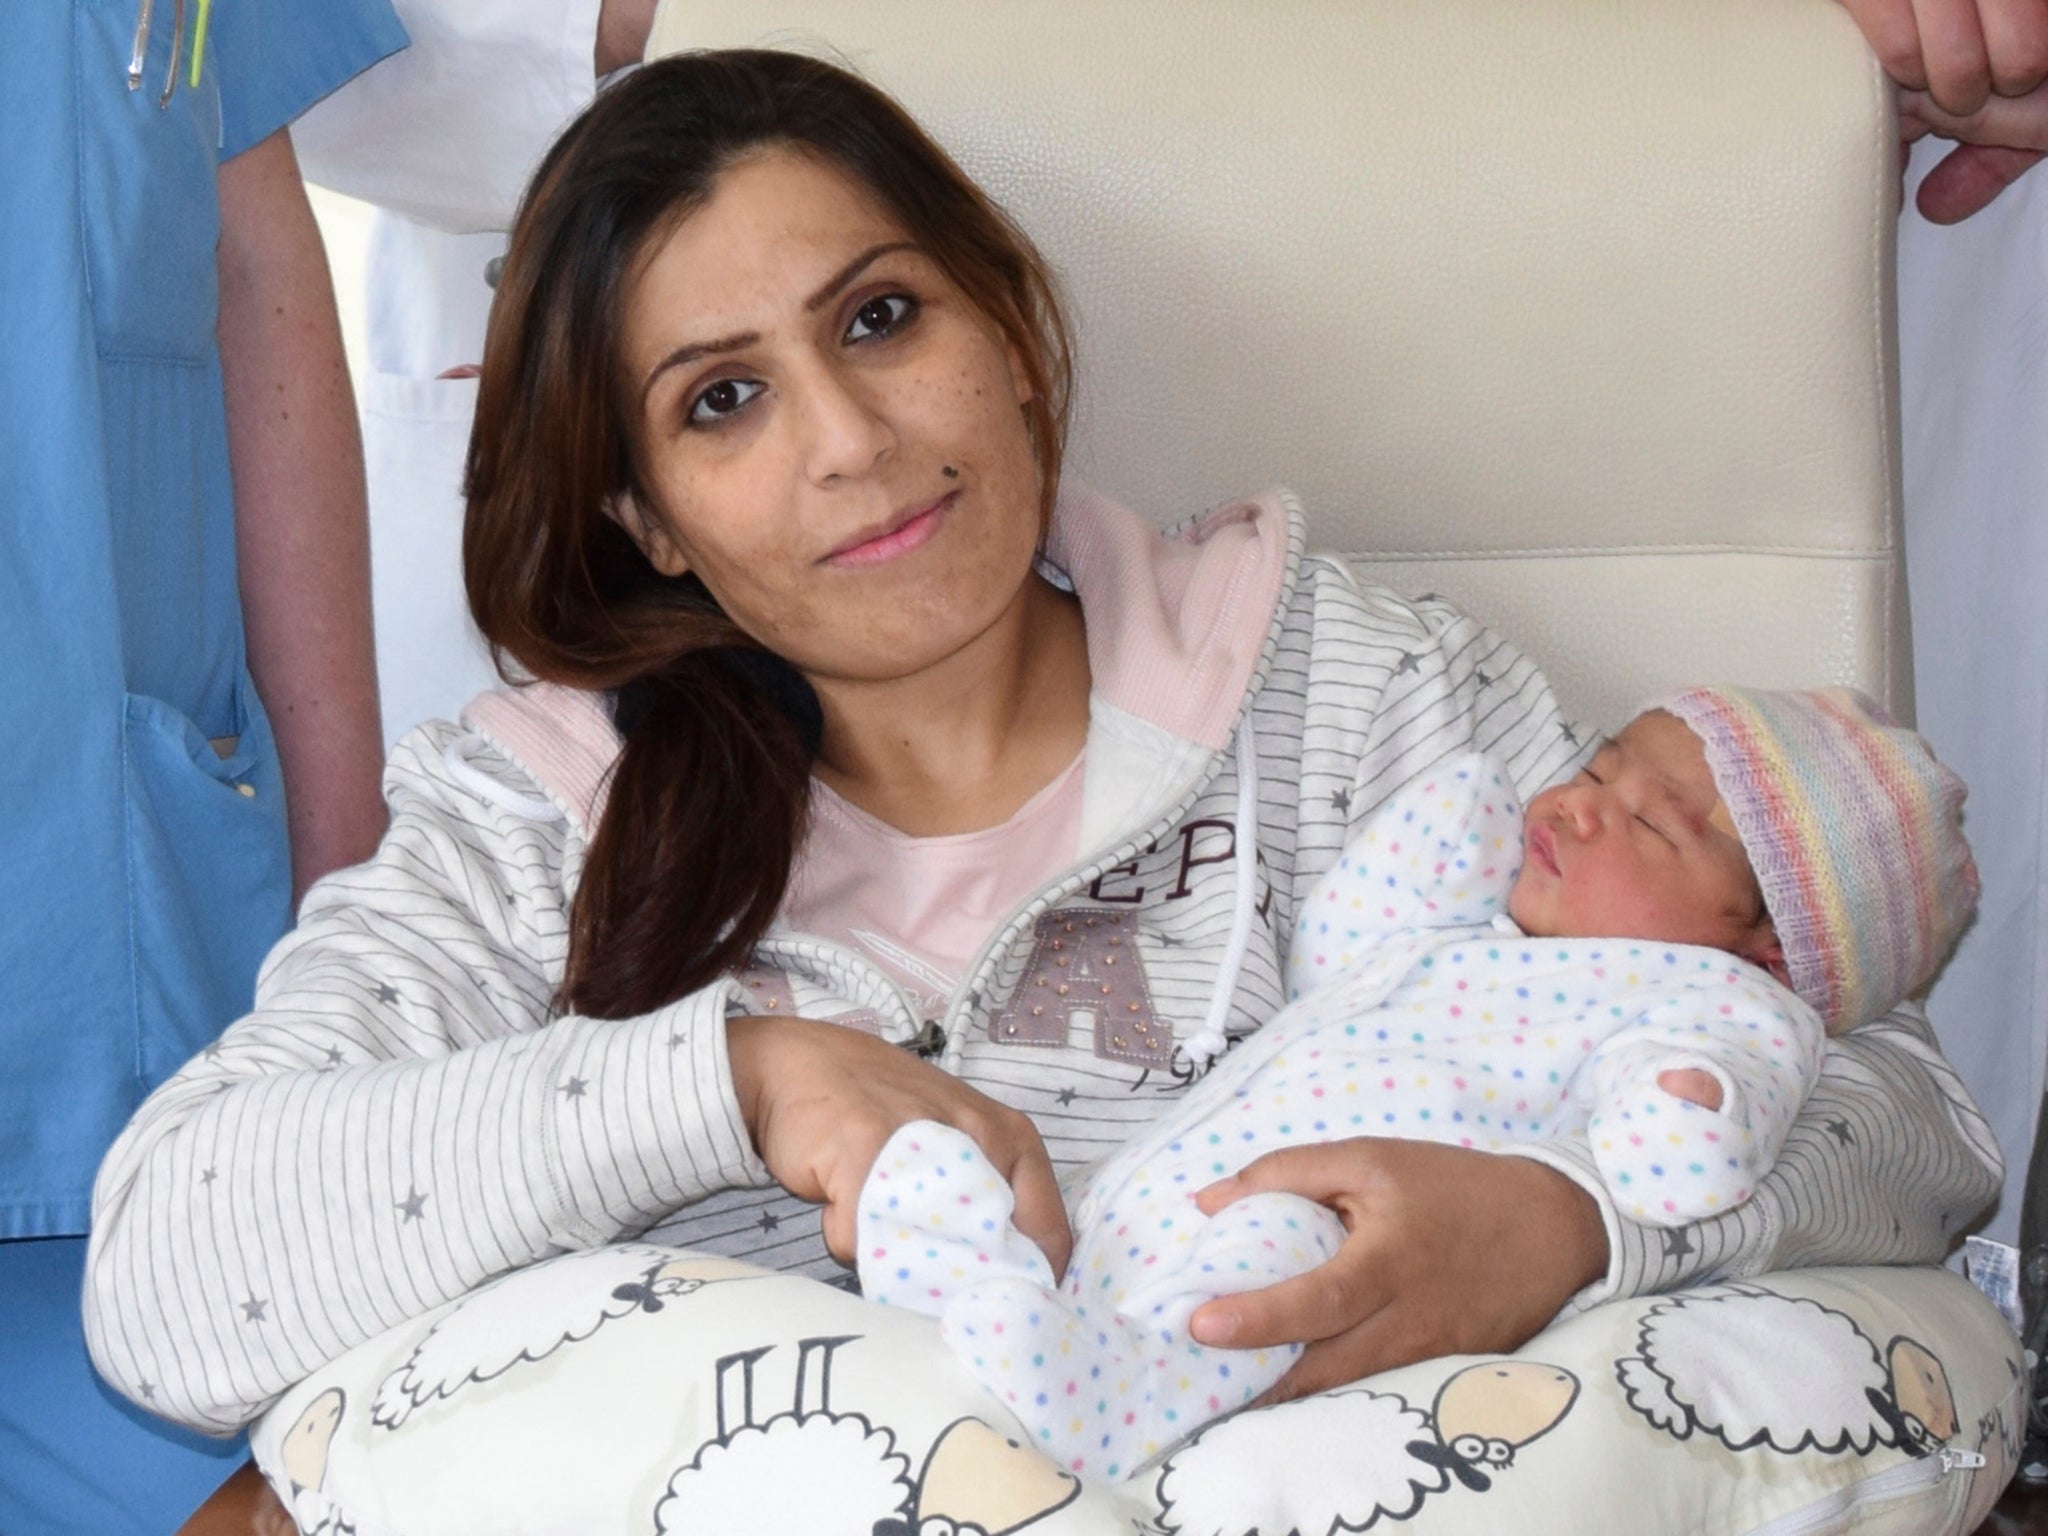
1974 358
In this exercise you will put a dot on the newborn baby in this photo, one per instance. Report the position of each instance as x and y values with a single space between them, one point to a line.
1652 954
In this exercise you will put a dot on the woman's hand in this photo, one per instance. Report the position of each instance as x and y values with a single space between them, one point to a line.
1449 1251
820 1099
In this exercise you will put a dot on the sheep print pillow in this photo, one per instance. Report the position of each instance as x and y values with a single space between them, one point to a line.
652 1391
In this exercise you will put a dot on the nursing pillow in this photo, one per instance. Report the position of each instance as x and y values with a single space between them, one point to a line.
648 1390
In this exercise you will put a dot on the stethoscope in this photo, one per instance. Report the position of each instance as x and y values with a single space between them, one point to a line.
142 28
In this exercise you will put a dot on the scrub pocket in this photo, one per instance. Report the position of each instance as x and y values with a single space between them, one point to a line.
209 873
147 187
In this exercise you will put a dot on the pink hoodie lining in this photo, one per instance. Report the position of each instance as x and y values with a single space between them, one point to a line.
1176 625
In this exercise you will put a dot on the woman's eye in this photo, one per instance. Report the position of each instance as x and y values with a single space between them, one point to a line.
725 398
880 316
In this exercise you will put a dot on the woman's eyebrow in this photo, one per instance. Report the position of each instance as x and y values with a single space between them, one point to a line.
683 356
846 274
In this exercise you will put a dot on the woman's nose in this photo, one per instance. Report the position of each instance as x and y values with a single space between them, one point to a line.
849 432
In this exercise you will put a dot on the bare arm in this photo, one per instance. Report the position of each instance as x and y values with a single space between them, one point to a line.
622 28
301 524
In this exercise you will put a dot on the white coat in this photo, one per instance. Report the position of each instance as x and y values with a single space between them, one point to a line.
442 138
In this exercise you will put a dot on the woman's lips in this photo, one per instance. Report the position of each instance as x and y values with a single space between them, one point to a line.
895 538
1543 849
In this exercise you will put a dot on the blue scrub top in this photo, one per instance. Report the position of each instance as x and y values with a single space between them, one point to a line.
143 875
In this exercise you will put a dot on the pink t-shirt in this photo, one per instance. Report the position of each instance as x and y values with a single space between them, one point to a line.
921 907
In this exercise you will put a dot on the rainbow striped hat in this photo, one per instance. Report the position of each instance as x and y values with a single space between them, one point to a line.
1855 833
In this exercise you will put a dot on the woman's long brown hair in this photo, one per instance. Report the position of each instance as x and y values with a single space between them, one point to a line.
706 804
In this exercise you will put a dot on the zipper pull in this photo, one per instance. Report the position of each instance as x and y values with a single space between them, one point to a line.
1969 1461
929 1041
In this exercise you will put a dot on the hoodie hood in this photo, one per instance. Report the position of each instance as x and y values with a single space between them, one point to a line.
1179 624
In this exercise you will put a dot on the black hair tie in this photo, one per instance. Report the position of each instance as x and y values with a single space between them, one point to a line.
763 671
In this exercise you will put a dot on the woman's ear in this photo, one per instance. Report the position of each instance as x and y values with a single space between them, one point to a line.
647 531
1762 948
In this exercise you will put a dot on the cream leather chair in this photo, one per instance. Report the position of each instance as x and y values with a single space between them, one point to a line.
1576 311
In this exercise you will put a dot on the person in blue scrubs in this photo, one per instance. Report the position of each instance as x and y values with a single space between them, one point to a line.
179 470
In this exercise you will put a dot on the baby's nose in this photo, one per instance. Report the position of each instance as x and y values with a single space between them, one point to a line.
1581 806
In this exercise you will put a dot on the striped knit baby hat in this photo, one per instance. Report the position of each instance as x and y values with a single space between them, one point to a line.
1855 833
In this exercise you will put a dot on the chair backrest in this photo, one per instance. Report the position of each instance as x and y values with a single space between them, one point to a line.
1577 311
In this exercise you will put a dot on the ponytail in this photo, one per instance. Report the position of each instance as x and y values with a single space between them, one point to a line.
702 823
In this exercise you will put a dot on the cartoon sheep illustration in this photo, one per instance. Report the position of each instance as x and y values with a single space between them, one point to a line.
1273 1469
531 1313
1486 1413
976 1481
1827 1386
302 1458
837 1474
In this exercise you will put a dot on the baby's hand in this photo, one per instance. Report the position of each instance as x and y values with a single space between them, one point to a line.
1673 1143
1692 1085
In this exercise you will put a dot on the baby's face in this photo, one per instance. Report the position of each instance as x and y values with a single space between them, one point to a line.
1637 846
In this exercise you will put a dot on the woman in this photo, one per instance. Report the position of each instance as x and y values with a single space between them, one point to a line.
828 761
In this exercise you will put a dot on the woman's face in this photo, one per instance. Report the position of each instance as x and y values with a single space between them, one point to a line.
830 435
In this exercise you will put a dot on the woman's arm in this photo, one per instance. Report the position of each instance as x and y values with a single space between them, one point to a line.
1887 1164
1457 1249
399 1120
1458 1252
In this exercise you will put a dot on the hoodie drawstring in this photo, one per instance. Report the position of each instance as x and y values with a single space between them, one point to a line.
1208 1042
